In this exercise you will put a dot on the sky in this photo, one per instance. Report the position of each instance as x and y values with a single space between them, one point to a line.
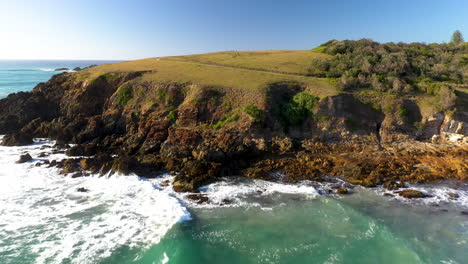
136 29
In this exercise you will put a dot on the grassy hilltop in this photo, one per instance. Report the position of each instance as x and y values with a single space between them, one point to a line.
433 77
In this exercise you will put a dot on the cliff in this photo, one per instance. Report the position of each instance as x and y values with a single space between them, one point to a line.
223 114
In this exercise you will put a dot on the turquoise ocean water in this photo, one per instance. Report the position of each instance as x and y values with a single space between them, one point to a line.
127 219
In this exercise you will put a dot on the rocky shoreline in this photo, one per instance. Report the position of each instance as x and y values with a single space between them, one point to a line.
176 134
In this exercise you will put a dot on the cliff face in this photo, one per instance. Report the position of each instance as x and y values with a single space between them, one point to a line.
201 133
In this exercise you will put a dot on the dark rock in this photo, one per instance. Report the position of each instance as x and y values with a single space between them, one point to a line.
82 150
96 163
24 158
453 195
17 139
77 175
464 212
388 195
69 166
53 163
342 191
42 155
62 69
77 69
82 189
200 198
411 194
227 201
392 185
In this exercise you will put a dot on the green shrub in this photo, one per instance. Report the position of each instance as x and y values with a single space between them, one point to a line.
254 112
124 95
161 94
298 109
403 112
228 118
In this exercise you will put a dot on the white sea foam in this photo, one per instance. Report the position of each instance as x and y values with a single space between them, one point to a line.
438 194
235 192
43 214
53 70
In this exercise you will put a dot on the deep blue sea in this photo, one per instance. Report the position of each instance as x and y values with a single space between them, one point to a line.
24 75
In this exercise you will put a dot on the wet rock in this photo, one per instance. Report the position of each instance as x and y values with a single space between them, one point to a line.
42 155
464 212
77 69
81 150
411 194
392 185
77 175
82 189
70 166
453 195
388 195
17 139
62 69
53 163
165 183
24 158
226 201
199 198
342 191
96 163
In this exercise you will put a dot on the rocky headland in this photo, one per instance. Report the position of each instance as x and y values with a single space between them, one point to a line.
159 115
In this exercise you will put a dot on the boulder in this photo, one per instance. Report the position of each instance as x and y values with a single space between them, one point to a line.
24 158
62 69
77 69
411 194
453 195
342 191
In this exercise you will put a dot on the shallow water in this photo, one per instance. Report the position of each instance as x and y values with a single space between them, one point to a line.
126 219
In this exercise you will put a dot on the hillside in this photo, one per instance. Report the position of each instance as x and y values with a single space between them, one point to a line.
353 109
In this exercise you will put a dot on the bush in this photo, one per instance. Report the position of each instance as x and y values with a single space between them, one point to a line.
254 112
298 109
124 95
228 118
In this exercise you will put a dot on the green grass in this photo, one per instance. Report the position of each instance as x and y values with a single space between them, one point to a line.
282 61
124 95
243 86
228 118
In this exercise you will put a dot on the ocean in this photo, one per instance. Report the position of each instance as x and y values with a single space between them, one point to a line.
128 219
24 75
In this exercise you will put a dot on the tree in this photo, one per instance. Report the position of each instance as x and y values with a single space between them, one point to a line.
457 37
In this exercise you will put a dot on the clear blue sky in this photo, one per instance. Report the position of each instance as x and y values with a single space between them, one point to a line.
125 29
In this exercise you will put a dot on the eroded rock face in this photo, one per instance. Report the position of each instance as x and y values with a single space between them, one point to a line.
17 139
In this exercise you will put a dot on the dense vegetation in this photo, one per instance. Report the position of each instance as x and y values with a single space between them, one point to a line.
395 67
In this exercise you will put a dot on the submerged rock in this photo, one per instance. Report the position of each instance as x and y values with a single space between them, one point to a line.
24 158
411 194
453 195
342 191
82 189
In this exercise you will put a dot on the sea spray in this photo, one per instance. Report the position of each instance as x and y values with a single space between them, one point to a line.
45 218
